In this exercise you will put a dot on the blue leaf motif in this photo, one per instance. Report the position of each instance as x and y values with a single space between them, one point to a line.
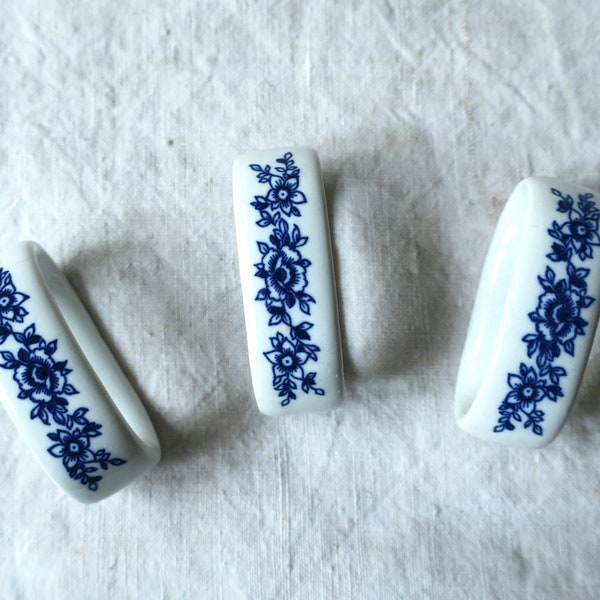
9 360
263 248
50 347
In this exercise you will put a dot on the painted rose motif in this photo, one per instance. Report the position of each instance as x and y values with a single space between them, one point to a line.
284 272
39 377
557 319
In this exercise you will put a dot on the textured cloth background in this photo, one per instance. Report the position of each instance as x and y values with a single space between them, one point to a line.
119 122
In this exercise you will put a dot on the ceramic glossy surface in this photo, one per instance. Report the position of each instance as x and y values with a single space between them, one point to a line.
61 385
534 317
287 281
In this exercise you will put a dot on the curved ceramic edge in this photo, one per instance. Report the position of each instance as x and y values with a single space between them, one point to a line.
61 385
287 278
534 317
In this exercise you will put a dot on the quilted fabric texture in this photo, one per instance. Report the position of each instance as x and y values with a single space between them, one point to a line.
119 122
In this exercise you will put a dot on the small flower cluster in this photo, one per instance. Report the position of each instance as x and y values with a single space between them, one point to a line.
43 381
283 270
557 318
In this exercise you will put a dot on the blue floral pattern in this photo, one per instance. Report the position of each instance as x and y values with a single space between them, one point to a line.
44 381
557 319
284 272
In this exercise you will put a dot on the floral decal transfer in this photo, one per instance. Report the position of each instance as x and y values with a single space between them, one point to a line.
284 272
44 381
556 320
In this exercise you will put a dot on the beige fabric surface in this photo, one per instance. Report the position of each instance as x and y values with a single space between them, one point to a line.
119 122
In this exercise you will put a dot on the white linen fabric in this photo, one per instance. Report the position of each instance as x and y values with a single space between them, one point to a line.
119 122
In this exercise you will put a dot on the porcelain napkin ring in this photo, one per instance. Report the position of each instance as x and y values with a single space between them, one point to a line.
534 317
287 281
61 385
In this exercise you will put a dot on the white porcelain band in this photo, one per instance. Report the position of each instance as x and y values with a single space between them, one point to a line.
61 385
287 281
534 318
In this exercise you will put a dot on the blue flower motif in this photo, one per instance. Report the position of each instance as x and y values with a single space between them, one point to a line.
284 272
10 300
39 377
72 446
520 405
557 318
286 357
284 194
526 389
581 234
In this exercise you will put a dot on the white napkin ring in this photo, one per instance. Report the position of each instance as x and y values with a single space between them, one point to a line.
287 281
61 385
534 317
